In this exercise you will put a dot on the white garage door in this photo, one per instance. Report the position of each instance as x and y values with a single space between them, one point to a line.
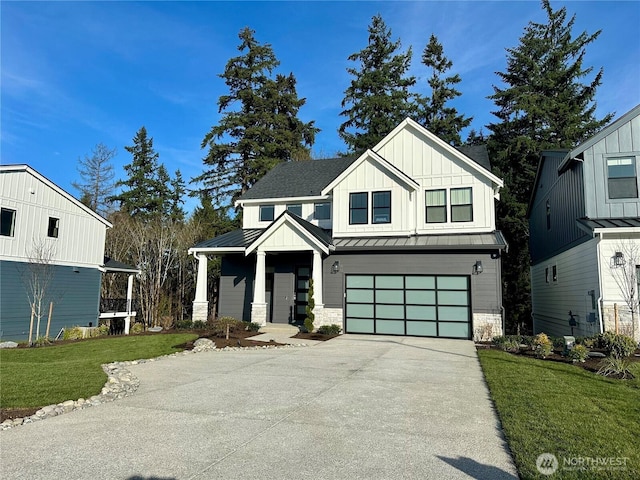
418 305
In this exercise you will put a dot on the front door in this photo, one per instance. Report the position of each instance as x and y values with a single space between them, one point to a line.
303 275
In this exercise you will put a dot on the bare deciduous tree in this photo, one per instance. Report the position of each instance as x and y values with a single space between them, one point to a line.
97 178
37 279
623 266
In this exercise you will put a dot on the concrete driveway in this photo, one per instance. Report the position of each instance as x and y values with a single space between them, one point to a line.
355 407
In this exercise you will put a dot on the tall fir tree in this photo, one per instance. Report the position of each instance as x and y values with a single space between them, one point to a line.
261 132
546 103
177 191
433 111
96 172
378 98
145 192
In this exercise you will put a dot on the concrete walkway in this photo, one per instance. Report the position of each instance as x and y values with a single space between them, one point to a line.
355 407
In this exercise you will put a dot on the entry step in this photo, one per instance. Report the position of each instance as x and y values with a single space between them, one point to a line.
279 328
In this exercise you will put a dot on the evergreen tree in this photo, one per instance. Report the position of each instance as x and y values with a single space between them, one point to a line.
176 194
96 172
378 98
544 104
263 131
433 112
145 191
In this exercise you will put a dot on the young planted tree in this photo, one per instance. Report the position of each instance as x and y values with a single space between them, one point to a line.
624 270
259 127
378 98
37 280
544 103
311 304
145 192
434 112
96 173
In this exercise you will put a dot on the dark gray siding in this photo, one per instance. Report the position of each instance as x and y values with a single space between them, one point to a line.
565 194
486 295
75 296
236 286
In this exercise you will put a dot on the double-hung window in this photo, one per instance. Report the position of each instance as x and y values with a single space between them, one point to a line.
7 222
266 213
436 206
358 208
381 207
461 205
621 177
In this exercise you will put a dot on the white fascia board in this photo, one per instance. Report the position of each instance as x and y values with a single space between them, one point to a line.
215 250
461 156
277 224
258 201
604 231
56 188
385 164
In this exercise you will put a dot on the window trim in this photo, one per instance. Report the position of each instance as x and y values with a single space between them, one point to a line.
620 156
470 204
12 226
444 206
365 208
373 207
321 204
53 229
265 209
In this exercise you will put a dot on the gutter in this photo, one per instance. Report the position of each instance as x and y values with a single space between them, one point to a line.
600 283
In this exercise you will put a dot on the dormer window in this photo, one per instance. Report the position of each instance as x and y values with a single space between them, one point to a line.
266 213
322 211
295 208
621 174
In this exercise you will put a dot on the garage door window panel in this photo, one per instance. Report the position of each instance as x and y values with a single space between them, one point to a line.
358 325
360 281
421 297
420 283
390 327
360 296
390 311
390 281
459 330
415 312
453 314
422 329
453 298
360 310
390 296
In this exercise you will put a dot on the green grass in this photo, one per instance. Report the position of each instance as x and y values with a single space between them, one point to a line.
35 377
565 410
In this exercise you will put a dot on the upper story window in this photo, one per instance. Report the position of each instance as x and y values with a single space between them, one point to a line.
621 174
7 222
358 208
461 205
54 225
295 208
436 206
322 211
381 207
266 213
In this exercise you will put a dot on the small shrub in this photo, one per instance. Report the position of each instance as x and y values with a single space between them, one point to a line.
42 341
252 327
617 345
184 325
136 328
508 343
528 340
542 345
558 342
221 324
332 329
199 325
615 366
578 353
103 330
73 333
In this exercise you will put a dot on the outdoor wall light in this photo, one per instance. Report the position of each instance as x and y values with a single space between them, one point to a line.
477 267
618 259
335 268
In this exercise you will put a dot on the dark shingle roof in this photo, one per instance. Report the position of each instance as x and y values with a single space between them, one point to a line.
477 153
298 179
112 266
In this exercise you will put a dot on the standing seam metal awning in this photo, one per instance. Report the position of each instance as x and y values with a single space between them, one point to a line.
481 241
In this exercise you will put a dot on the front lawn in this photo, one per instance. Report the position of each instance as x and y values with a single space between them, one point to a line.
35 377
590 423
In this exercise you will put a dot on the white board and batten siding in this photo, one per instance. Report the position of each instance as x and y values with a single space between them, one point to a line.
81 232
610 244
434 167
577 274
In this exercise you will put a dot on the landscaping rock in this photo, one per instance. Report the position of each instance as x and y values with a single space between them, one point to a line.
8 345
203 344
597 355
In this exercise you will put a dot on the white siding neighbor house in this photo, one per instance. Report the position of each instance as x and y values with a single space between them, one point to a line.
46 232
399 241
584 223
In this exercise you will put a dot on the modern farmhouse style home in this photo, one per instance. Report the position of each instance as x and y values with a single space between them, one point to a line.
399 241
584 224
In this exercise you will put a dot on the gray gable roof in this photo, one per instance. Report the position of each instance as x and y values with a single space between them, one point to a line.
298 179
236 238
322 235
477 153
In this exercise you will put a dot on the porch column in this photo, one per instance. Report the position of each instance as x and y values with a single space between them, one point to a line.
127 319
201 304
259 306
316 274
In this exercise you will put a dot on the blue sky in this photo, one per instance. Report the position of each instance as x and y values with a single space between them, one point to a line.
74 74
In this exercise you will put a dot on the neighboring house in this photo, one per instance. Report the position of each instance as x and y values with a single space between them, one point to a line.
398 241
47 235
584 222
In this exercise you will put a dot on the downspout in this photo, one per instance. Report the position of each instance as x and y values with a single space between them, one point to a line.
600 283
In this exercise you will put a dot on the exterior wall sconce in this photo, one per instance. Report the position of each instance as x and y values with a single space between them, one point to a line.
618 259
335 268
76 270
477 267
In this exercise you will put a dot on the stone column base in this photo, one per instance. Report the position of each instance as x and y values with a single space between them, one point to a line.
259 313
486 326
200 311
